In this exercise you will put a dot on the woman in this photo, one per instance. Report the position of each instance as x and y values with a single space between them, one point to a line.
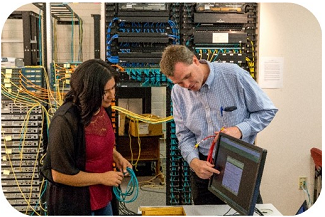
80 152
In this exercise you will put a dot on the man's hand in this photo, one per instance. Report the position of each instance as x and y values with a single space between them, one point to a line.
231 131
203 169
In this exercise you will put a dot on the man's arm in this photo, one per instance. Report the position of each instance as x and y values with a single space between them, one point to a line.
259 105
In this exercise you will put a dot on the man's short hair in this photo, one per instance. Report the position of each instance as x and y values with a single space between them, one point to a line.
172 55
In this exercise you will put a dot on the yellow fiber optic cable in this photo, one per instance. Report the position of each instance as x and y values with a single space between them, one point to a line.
139 142
130 144
142 118
213 54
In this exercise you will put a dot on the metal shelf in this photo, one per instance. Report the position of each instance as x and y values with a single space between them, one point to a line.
64 14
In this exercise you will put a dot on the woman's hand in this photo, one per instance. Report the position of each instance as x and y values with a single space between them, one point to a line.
112 178
121 162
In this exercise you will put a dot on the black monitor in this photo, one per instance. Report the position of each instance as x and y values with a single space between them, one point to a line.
241 166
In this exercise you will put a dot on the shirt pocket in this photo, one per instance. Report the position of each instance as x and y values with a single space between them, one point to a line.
231 118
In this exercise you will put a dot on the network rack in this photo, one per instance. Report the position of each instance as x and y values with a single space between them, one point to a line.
22 125
136 35
21 150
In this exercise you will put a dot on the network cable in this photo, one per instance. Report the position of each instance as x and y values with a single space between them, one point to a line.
131 189
142 118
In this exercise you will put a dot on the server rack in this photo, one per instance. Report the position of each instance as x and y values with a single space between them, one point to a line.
22 122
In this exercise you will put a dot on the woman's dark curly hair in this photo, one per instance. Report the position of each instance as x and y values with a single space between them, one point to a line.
87 87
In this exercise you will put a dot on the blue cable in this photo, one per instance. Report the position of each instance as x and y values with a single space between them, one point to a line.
131 189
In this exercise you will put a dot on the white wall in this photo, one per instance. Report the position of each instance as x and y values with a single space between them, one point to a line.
290 31
12 34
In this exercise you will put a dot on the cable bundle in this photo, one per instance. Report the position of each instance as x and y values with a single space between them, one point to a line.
131 189
143 118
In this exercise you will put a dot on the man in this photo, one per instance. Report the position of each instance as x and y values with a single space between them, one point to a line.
207 98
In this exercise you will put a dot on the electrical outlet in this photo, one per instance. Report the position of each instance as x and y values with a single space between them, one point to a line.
302 183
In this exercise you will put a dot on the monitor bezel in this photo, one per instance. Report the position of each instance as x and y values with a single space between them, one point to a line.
257 179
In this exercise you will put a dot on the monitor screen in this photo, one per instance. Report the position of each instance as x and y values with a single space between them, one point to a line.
241 166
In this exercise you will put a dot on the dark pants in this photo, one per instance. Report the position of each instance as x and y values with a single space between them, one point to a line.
200 193
107 210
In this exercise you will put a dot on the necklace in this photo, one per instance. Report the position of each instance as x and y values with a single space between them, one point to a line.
96 113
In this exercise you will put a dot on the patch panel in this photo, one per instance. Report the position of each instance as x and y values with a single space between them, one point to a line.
22 110
8 184
33 81
25 169
16 189
20 117
20 143
18 163
21 123
8 106
24 208
19 195
22 156
11 130
22 136
12 176
18 150
7 174
33 75
14 202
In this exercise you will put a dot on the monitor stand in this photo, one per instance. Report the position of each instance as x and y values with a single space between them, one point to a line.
258 212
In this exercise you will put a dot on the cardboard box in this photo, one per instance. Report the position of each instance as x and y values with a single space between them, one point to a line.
121 127
162 211
145 129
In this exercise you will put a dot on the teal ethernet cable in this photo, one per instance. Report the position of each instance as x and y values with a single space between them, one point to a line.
131 189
